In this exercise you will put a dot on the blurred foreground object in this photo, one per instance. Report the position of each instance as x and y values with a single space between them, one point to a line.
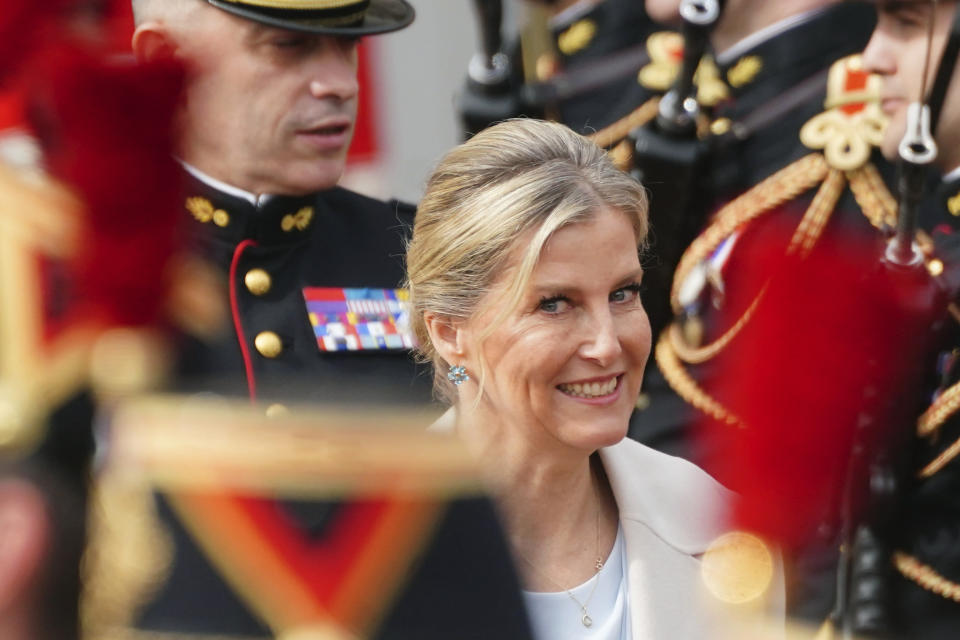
329 523
62 302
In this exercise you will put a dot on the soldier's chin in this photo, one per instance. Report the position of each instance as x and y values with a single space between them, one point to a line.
664 11
890 147
318 177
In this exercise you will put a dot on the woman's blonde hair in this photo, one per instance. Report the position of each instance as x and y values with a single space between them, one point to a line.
518 178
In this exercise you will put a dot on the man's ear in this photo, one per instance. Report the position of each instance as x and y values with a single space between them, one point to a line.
447 335
152 41
24 529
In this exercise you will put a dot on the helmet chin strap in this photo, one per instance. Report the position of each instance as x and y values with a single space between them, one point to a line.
918 149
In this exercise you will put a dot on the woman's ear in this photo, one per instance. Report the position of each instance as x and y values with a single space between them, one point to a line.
447 336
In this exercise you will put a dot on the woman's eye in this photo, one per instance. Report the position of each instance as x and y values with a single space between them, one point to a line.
556 304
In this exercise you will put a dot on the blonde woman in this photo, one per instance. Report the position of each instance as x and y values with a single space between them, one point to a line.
524 274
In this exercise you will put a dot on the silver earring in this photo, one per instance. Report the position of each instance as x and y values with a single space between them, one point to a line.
458 374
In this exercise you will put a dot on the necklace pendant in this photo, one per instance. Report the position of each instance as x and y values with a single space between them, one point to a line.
599 564
586 620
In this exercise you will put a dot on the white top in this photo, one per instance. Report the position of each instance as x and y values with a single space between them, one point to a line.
555 616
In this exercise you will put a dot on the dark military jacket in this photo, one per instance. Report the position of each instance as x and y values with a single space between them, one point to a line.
610 27
267 254
776 87
741 157
926 540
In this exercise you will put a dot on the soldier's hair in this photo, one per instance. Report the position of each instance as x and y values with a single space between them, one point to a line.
506 190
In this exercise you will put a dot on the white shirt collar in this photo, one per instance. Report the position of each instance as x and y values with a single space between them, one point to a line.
950 176
219 185
761 36
571 13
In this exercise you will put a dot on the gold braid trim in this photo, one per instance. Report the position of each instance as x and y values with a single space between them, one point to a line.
783 186
699 355
614 133
815 219
804 237
925 576
874 198
940 461
946 404
686 387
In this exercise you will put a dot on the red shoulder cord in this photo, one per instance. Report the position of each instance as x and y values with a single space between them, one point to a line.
237 322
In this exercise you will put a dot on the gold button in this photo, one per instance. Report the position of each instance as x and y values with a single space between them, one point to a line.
268 344
221 218
277 411
720 126
258 281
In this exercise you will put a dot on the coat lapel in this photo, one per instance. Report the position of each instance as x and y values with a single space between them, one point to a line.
663 540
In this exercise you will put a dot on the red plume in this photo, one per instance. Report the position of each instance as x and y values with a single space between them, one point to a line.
833 357
107 130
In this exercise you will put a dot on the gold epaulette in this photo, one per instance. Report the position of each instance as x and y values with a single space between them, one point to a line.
852 123
665 49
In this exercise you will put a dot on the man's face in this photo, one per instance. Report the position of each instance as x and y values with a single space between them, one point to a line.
267 110
897 52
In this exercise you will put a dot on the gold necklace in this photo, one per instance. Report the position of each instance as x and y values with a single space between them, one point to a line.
585 618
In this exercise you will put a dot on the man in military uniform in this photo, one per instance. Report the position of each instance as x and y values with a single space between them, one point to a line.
925 596
773 60
775 194
311 268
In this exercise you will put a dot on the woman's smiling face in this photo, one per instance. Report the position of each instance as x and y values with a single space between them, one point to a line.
568 361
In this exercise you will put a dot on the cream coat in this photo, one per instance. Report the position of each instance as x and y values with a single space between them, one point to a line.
670 512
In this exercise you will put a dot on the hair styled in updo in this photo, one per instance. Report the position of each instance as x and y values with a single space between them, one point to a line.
518 179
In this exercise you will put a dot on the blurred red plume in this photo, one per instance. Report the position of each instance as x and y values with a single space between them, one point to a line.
107 131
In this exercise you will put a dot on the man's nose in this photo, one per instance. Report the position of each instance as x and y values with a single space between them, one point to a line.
878 56
334 74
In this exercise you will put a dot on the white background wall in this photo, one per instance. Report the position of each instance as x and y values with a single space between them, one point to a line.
418 72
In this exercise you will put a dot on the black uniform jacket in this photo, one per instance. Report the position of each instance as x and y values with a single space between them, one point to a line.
609 28
267 254
928 531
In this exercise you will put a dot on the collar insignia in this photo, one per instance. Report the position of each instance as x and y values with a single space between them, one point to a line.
953 205
360 319
204 211
744 72
299 220
577 37
666 57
